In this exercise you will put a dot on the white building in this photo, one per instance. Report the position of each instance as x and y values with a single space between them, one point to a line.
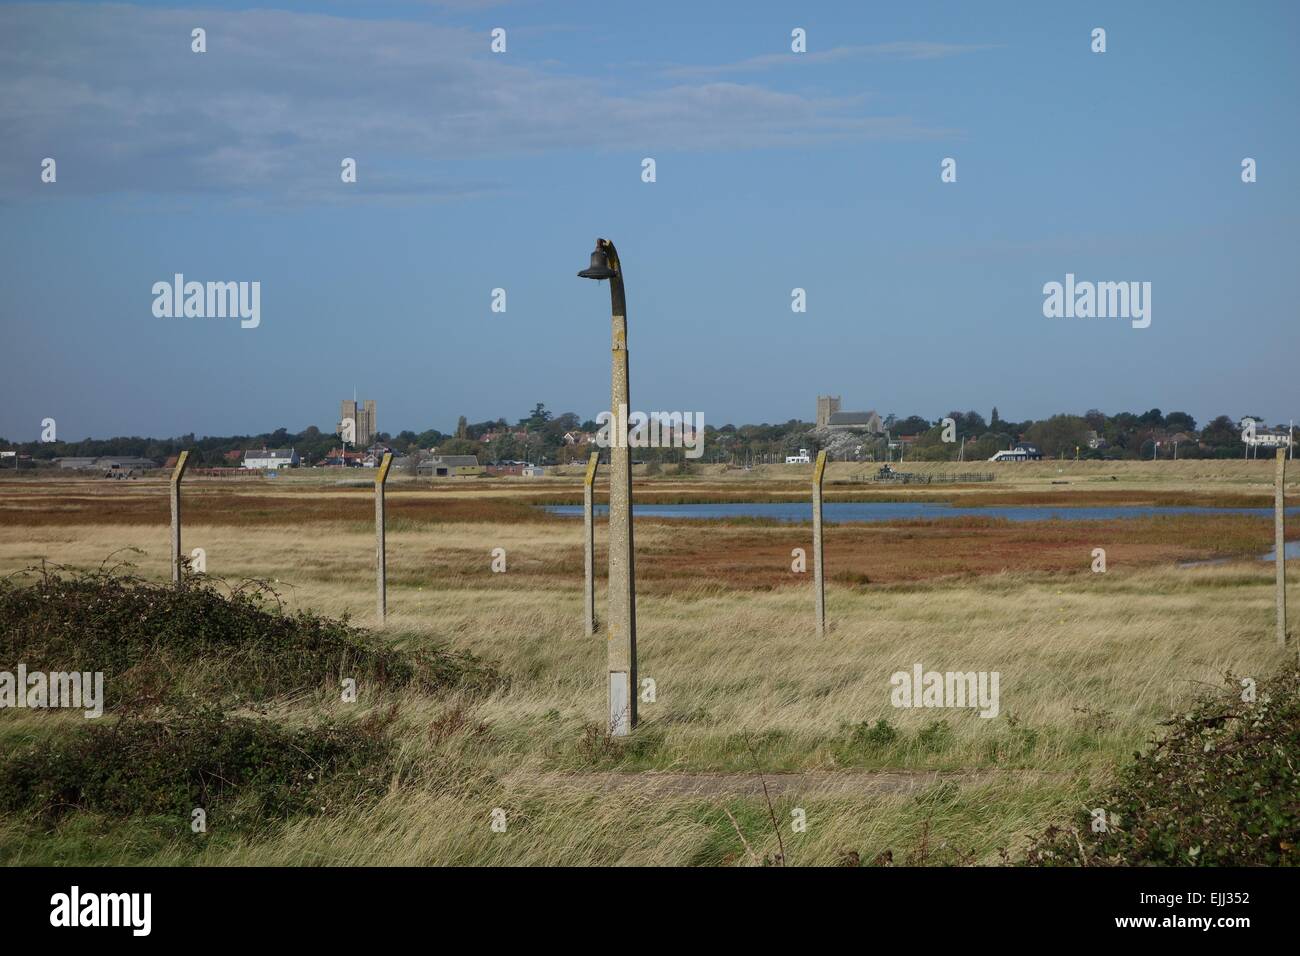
799 459
1023 451
271 458
1267 438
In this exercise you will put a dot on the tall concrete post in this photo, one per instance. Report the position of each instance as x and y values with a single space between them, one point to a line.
1279 544
819 578
620 626
589 542
182 460
381 553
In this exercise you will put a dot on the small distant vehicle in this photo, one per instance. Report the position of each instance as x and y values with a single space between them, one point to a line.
905 477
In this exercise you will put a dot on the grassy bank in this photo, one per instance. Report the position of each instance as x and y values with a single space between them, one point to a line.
1089 667
745 694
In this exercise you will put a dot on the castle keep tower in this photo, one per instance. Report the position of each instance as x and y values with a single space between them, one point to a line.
827 405
363 416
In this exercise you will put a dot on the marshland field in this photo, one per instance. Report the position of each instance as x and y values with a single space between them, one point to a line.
477 733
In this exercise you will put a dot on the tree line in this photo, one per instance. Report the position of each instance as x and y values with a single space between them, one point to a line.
539 437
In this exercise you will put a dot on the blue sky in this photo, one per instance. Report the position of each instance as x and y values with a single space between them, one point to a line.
774 171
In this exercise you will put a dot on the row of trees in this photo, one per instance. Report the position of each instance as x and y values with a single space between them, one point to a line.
1094 435
311 443
539 437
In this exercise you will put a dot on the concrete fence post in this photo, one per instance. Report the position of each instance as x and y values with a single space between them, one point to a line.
381 556
620 623
182 460
589 541
620 609
819 579
1279 543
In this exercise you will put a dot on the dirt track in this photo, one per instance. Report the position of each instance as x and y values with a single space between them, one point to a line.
821 782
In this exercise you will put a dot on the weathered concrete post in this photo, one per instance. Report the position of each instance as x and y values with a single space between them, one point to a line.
589 541
182 460
381 556
819 579
620 626
1279 544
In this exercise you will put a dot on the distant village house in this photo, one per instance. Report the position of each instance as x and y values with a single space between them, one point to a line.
452 466
271 459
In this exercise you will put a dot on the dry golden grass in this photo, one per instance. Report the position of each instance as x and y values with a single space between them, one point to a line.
1089 664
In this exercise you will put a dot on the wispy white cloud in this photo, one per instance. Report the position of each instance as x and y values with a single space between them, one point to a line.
900 50
115 94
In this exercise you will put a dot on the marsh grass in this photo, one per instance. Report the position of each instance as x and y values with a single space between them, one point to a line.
1090 665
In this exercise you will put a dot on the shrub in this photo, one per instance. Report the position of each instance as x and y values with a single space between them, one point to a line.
1222 788
876 737
251 770
934 736
157 643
